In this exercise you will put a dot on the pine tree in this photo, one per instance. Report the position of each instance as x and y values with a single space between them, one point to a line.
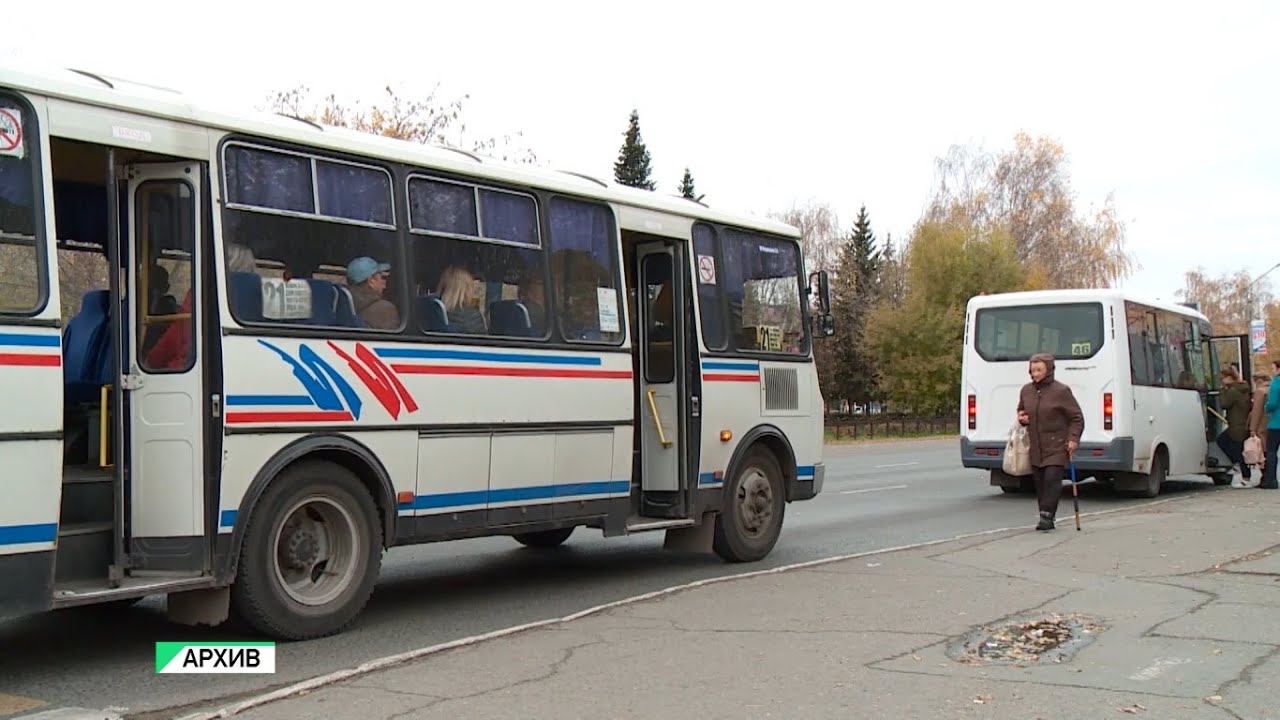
632 166
857 289
686 186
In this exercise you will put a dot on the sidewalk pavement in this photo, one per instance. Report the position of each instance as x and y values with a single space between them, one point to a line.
1169 610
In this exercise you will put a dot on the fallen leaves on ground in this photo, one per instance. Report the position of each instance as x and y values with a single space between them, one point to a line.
983 699
1028 640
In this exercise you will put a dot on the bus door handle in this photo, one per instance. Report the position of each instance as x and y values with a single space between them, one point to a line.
657 421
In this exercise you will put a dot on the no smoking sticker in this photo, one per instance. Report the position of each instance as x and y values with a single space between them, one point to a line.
11 133
706 270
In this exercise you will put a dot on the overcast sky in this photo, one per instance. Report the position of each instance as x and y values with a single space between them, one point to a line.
1172 106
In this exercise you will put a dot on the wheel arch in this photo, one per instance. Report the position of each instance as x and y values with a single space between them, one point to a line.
774 440
338 449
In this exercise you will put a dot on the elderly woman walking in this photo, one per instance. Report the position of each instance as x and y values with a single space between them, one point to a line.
1054 425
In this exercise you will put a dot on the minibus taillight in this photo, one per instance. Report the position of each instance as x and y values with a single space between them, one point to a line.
973 412
1107 409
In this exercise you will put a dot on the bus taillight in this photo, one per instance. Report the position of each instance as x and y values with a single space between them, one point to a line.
973 412
1106 411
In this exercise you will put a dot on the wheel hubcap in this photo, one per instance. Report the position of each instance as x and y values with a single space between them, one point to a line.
316 551
755 503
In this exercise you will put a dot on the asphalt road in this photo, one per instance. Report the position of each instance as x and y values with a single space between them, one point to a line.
876 496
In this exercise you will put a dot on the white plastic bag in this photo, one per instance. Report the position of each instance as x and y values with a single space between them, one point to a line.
1017 452
1253 451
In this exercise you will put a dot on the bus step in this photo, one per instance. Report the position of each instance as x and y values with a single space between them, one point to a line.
84 551
86 474
639 524
87 498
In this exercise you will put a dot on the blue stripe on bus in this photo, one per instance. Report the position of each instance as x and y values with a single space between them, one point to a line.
709 478
21 340
227 518
292 400
805 472
480 356
730 366
501 495
22 534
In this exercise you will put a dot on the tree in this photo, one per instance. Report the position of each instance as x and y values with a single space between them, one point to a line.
855 290
1229 300
916 344
426 120
820 233
1027 191
632 166
686 186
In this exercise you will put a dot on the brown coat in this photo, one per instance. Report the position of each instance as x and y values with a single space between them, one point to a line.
1056 419
375 310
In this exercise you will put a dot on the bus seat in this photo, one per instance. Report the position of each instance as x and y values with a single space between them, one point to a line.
86 348
246 295
346 308
432 317
324 302
509 317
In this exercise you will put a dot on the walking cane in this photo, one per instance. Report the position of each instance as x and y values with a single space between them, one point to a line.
1075 496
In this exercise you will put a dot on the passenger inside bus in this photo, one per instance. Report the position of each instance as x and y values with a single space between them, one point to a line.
456 290
533 293
173 350
367 282
161 304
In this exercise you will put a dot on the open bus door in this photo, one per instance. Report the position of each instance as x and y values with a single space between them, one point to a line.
1223 351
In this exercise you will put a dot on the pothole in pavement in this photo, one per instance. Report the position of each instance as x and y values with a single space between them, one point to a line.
1044 639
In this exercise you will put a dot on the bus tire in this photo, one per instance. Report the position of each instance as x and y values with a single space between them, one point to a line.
544 538
314 517
748 526
1155 478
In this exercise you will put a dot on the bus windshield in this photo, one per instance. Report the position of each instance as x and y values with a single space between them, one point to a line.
1068 331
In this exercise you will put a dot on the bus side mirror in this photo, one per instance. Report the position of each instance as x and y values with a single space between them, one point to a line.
821 283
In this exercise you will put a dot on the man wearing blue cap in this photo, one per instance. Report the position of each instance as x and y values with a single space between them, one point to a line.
367 281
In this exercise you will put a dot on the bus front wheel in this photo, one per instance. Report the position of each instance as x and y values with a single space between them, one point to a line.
311 553
750 522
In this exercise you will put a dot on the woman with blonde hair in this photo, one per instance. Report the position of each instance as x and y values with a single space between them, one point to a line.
455 289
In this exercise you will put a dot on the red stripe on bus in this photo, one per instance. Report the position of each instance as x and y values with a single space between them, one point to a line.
277 417
511 372
30 360
718 377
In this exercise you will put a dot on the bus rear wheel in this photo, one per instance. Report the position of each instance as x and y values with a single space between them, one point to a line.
544 538
1154 479
311 553
755 500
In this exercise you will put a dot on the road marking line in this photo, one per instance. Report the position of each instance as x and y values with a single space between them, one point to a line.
872 489
896 465
408 656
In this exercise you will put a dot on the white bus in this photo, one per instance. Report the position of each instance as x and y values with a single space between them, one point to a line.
210 395
1145 373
